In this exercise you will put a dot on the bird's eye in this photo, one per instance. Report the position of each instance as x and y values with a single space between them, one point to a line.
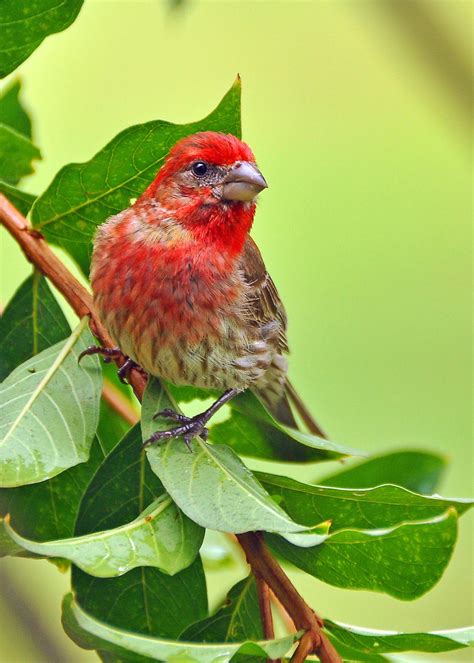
199 168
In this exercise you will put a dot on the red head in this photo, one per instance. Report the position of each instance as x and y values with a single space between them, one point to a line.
209 182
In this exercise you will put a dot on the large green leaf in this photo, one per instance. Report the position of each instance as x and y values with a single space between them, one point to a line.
17 154
20 199
122 488
7 546
12 113
48 510
350 655
384 642
416 470
161 536
383 506
24 25
404 562
82 196
238 618
31 322
49 410
211 484
252 431
98 635
45 510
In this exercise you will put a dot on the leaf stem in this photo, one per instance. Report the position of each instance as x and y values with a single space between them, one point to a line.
265 567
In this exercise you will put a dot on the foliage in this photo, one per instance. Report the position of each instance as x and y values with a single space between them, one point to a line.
25 25
131 522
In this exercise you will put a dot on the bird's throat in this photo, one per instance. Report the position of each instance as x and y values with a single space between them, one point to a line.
224 226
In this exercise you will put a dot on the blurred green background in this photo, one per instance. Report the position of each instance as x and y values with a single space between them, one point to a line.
359 114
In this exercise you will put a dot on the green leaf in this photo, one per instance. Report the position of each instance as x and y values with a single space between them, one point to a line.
211 484
122 488
20 199
17 154
47 510
12 113
82 196
49 410
252 431
238 618
383 506
404 562
99 635
350 655
24 25
384 642
418 471
7 546
31 322
161 536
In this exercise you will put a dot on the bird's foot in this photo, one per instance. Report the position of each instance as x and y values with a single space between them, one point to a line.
189 428
111 354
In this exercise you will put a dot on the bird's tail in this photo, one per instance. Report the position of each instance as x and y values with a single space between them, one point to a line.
291 395
280 407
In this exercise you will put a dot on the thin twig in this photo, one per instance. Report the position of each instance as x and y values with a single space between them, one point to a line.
119 403
263 565
263 593
266 566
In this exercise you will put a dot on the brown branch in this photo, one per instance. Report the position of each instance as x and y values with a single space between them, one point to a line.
265 567
119 403
263 564
263 593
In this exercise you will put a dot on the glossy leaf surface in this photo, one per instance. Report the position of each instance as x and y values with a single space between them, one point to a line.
161 536
122 488
237 619
385 642
49 410
404 562
418 471
211 484
102 636
382 506
24 25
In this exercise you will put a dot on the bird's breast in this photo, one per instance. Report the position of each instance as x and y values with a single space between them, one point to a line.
163 303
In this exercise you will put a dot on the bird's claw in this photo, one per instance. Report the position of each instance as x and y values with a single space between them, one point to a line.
168 413
126 368
111 354
190 428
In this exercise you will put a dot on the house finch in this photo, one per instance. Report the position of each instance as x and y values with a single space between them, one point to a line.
183 290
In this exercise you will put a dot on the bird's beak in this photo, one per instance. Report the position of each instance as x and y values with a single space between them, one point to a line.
243 182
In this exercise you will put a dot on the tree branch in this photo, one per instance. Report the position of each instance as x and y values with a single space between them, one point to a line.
266 569
263 564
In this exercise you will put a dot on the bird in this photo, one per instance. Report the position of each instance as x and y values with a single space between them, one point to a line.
182 288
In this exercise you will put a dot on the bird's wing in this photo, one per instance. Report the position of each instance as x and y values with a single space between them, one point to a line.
266 307
263 300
